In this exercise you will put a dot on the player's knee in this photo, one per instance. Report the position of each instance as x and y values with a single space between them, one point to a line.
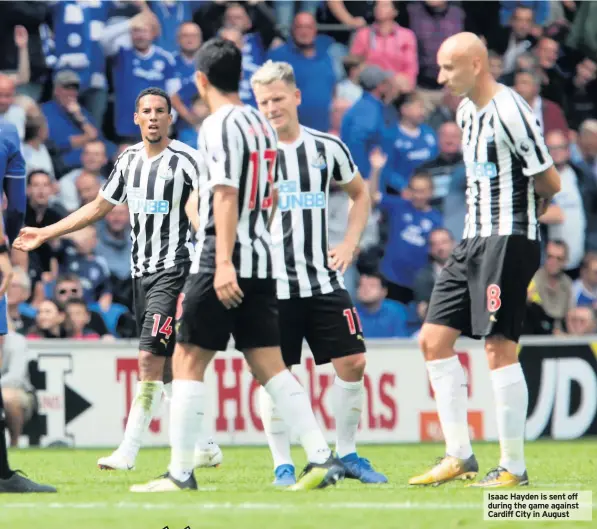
431 345
350 368
151 367
190 361
500 351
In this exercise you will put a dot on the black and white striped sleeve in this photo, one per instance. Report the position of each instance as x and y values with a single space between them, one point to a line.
344 167
114 190
223 151
523 135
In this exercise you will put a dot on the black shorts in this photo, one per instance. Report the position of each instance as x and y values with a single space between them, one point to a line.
155 297
482 290
205 322
329 323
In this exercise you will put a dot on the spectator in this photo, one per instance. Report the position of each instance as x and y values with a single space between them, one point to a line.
581 321
445 111
448 161
389 46
189 41
200 111
78 318
17 295
36 154
313 69
581 94
411 143
441 244
496 65
49 321
569 199
516 40
134 69
550 292
30 15
17 392
410 220
339 109
582 33
584 289
349 88
77 255
69 286
379 317
40 213
355 15
250 63
363 126
94 159
285 13
114 245
552 80
70 126
585 150
10 111
78 28
539 10
432 21
172 17
88 186
548 114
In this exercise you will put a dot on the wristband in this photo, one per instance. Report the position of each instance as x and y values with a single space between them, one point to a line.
3 248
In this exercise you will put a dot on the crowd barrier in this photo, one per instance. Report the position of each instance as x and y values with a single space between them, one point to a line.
84 392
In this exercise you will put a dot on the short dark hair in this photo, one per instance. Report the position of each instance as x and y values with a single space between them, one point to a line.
34 172
221 62
560 243
153 91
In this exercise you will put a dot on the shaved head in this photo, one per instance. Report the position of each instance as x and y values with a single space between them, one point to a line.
463 60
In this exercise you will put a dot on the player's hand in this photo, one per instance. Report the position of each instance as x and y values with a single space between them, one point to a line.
378 159
226 285
5 271
29 239
340 257
21 36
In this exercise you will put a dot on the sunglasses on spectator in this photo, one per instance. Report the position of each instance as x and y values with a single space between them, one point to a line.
63 291
71 86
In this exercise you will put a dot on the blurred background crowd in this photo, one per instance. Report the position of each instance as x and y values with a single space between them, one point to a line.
367 71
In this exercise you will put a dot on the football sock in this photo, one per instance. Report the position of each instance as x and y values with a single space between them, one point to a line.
292 402
187 409
145 405
449 385
511 402
5 471
347 404
276 431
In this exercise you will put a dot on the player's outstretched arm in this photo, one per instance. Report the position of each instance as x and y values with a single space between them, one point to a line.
31 238
342 255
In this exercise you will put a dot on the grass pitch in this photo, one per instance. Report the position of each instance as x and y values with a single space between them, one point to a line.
239 495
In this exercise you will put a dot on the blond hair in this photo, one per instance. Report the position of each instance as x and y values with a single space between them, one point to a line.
271 72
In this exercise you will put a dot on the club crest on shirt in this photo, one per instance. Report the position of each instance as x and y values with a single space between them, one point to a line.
318 162
169 175
524 147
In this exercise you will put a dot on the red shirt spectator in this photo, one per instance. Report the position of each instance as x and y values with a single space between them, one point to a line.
389 46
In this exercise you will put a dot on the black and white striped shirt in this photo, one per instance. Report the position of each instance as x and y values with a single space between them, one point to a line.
300 226
239 148
156 190
503 148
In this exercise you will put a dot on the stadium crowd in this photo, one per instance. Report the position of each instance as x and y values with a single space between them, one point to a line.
367 71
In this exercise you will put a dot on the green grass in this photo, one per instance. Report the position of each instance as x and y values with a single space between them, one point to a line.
239 494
